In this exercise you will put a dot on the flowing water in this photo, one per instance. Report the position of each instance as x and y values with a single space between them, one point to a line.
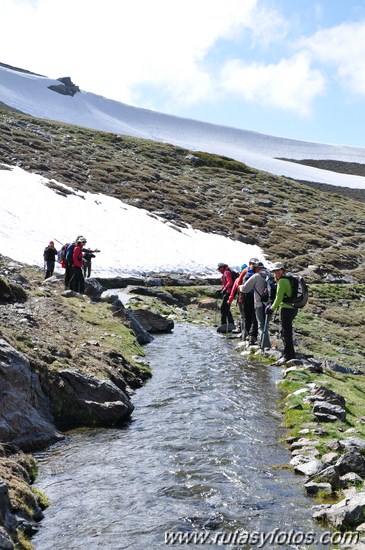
202 454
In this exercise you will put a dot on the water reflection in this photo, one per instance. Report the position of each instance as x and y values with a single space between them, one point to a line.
201 452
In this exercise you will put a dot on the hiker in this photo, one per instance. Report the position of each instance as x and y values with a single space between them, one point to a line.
227 323
251 327
67 261
257 283
240 296
287 311
88 255
49 255
78 283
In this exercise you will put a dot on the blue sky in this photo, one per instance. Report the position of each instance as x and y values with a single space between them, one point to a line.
290 68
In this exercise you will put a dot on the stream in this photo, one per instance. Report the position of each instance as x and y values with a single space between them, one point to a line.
201 455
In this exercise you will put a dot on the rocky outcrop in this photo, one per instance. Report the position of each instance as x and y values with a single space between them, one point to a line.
154 323
67 87
25 417
83 400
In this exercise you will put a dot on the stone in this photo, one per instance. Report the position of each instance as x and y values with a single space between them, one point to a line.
85 400
309 468
351 477
351 461
324 408
314 488
329 458
348 513
152 322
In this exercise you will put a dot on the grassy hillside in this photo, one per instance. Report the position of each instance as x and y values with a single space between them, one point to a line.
300 223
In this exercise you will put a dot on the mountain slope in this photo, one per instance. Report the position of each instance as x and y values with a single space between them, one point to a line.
30 94
293 221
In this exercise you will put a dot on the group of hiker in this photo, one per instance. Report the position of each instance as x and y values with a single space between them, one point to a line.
74 258
259 292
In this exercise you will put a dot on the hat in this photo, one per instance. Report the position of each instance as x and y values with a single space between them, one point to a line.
221 264
253 261
51 242
243 266
277 266
258 264
81 240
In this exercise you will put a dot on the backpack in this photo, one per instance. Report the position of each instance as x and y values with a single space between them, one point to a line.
69 253
62 253
299 296
269 293
234 274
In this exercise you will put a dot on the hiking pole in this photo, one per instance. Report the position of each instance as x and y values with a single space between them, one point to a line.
59 242
265 330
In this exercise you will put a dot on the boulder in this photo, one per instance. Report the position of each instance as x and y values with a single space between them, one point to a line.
153 322
85 400
328 412
348 513
25 417
93 288
351 461
309 468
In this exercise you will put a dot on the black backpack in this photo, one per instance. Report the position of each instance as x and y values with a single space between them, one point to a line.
234 273
299 297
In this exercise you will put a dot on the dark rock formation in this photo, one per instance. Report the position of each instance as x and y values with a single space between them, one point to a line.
67 87
153 323
25 417
85 400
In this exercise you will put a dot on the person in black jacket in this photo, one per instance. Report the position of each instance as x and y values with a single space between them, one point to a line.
88 255
49 255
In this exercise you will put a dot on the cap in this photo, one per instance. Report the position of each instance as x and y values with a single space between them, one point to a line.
277 266
51 242
81 240
253 261
221 264
258 264
243 266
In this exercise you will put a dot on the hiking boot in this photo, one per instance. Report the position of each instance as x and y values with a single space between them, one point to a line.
227 327
252 340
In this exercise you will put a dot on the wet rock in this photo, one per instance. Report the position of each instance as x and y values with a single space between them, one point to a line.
85 400
25 414
152 322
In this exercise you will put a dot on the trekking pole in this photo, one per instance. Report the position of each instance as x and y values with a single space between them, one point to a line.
59 242
265 330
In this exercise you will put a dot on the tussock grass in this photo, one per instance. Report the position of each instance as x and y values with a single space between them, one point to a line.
305 224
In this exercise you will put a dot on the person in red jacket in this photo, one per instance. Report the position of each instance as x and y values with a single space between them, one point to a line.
78 281
240 297
227 323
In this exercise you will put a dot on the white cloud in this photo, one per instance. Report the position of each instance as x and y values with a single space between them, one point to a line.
114 47
344 48
290 84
